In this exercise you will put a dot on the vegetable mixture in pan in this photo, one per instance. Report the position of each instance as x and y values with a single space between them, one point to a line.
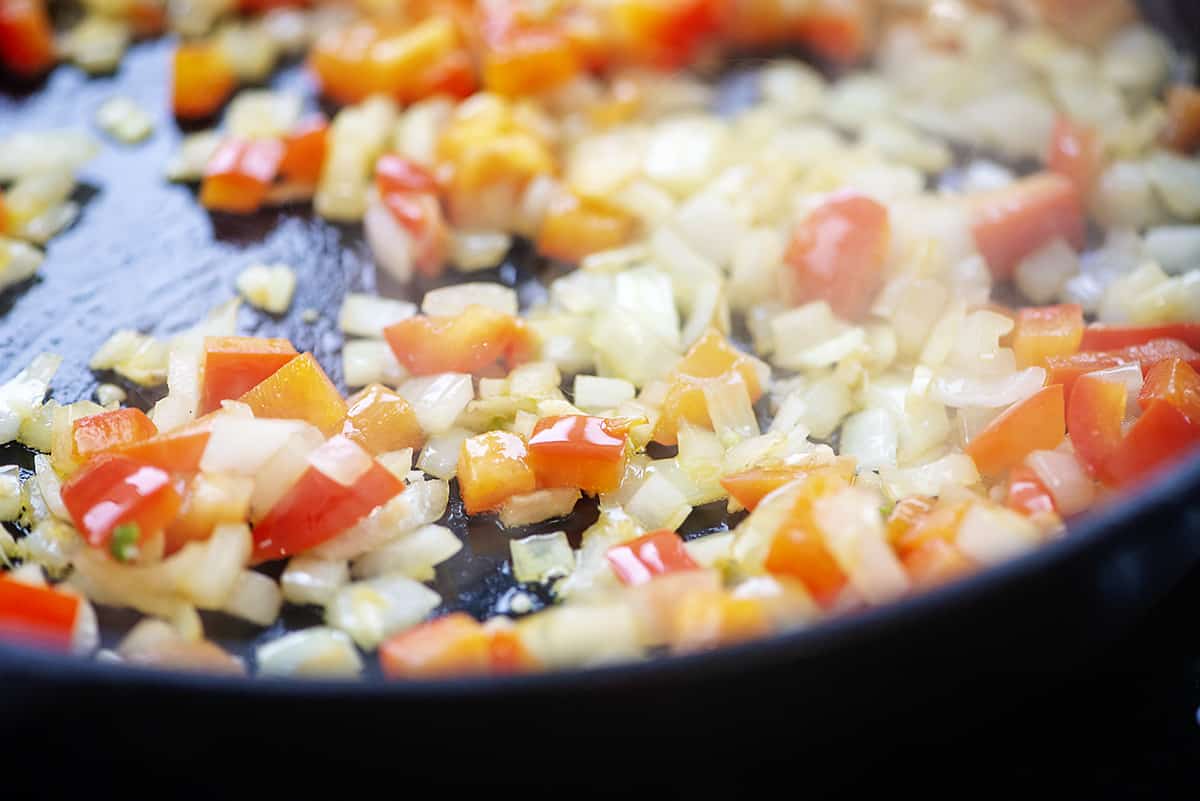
901 324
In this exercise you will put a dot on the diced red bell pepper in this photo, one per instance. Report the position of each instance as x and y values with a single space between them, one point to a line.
749 487
452 645
203 80
711 357
232 366
381 420
906 515
113 489
798 548
40 616
1027 494
523 54
375 57
577 227
651 555
1094 419
1044 331
1037 423
1075 153
421 215
176 451
304 151
1183 119
300 390
474 341
837 254
240 174
1159 438
318 507
1175 382
1011 222
935 562
665 33
1066 370
26 37
1099 336
587 453
493 467
838 30
108 430
394 173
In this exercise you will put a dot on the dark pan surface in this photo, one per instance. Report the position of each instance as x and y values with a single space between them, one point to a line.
143 254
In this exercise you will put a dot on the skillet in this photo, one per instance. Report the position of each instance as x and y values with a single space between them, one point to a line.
145 255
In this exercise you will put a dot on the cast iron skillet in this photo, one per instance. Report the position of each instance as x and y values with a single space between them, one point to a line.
145 255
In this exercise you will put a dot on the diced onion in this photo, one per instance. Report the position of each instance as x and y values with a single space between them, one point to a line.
439 456
243 446
268 286
729 409
853 531
1065 478
262 114
596 393
124 120
438 400
309 579
479 250
542 557
1176 248
449 301
414 554
10 493
991 392
370 361
658 503
1042 274
991 534
932 478
580 634
255 598
391 244
367 315
316 652
871 437
710 550
282 469
537 506
371 611
341 460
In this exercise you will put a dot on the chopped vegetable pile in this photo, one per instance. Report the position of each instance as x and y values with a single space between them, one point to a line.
891 364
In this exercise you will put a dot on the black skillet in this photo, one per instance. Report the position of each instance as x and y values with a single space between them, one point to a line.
145 255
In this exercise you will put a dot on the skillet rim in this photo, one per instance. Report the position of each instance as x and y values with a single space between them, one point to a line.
1091 532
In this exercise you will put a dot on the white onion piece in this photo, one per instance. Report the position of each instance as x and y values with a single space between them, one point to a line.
255 598
438 400
341 460
992 534
711 550
991 392
658 503
243 446
371 611
390 243
367 315
1042 274
414 555
371 361
51 487
449 301
534 507
933 478
439 456
316 652
10 494
479 250
729 409
309 579
581 634
542 557
595 393
1176 248
853 531
871 437
1065 478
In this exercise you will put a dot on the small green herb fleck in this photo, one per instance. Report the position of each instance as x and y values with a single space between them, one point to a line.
886 510
124 543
